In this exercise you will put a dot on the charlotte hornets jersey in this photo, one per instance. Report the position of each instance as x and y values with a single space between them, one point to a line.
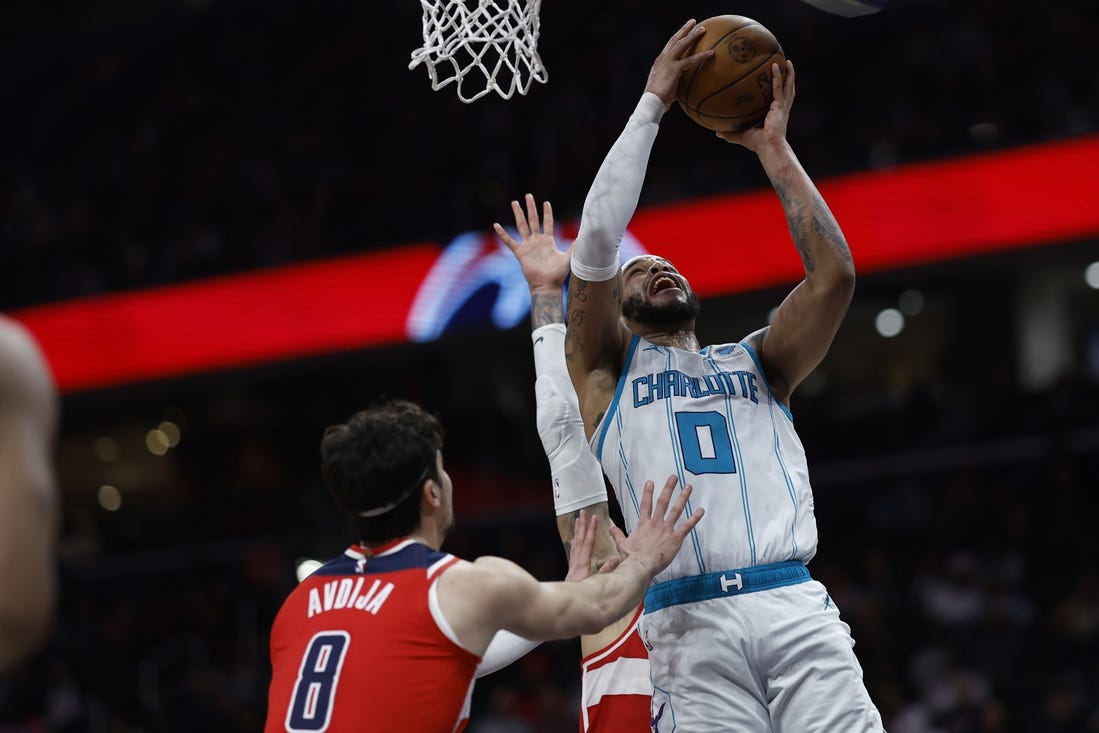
360 645
710 418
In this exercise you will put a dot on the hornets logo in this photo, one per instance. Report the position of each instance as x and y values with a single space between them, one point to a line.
661 715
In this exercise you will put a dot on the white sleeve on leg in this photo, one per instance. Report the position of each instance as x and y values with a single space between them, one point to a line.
577 477
614 193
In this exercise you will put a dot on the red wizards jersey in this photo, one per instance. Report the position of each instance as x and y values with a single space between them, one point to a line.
616 687
359 646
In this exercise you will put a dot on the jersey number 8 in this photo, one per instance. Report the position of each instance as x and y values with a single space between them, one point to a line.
315 691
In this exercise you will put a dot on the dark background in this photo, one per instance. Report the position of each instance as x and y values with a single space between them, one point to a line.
148 143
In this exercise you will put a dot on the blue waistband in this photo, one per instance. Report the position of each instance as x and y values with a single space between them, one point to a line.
727 583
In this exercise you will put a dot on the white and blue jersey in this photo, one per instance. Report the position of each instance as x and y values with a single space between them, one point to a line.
723 655
710 418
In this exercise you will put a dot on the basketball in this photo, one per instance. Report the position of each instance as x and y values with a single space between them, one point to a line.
731 91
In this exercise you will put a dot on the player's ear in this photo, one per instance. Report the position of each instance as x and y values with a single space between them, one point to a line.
432 493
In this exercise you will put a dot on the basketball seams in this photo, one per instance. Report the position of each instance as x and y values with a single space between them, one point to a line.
729 33
687 94
740 93
717 43
694 70
711 95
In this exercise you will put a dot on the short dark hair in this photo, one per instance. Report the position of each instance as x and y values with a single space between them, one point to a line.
379 455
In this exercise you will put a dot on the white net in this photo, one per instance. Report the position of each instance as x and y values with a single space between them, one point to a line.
482 45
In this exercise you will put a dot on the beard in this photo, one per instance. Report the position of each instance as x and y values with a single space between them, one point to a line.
647 313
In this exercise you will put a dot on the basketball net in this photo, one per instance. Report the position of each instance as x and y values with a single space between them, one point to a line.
483 45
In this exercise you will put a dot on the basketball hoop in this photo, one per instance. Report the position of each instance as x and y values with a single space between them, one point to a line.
475 41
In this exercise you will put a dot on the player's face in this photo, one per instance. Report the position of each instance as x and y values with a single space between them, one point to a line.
655 294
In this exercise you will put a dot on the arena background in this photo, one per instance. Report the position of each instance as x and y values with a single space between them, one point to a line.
150 145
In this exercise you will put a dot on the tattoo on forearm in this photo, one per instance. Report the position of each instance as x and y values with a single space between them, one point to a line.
783 192
577 294
573 343
795 221
808 228
545 309
827 228
604 544
572 530
802 245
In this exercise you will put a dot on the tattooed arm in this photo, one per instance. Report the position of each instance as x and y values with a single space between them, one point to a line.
807 320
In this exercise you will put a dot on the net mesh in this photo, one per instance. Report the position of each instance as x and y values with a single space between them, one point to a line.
481 45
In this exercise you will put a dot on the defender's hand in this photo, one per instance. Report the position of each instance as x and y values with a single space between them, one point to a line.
656 540
544 266
580 549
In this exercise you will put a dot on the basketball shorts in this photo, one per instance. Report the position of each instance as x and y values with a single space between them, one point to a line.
761 649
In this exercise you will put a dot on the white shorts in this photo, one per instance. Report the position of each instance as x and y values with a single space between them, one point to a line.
779 660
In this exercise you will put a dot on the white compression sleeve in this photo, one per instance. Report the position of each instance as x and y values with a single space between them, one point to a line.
614 193
577 477
504 649
549 360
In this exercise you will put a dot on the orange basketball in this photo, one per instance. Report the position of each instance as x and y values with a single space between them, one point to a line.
731 90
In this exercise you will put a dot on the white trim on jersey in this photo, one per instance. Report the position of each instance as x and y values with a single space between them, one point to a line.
437 614
504 648
466 706
438 565
355 554
626 676
616 644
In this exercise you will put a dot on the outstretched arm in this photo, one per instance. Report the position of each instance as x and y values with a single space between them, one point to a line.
544 266
491 593
506 647
28 502
596 338
576 476
807 320
559 610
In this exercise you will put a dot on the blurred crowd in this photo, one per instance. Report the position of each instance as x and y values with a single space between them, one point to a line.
151 144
